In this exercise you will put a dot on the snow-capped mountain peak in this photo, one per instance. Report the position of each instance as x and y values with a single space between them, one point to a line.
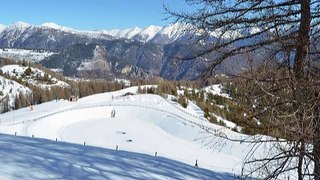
21 24
56 26
147 33
170 33
172 30
125 33
18 26
156 34
129 33
2 27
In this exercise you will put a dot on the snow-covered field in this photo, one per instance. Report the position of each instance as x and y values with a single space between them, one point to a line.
146 124
26 158
24 54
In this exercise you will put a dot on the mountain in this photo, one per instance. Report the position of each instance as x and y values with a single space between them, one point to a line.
133 52
48 36
2 27
147 33
170 33
126 33
154 34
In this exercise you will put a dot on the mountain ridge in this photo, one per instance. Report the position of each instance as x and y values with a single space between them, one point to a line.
145 34
133 52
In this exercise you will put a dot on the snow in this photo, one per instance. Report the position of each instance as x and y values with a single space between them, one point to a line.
216 89
174 31
125 33
226 34
24 54
57 70
143 123
255 30
57 27
126 82
149 32
2 27
32 158
129 33
18 71
171 31
11 89
20 25
166 34
228 124
91 34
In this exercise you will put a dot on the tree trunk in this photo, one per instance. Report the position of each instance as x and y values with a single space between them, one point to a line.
303 40
316 142
301 157
298 70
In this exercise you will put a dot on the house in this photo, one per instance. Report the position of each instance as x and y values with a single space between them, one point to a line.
73 98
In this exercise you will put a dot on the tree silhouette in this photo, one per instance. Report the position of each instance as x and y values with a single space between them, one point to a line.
284 86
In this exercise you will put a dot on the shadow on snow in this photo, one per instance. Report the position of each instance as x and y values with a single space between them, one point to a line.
32 158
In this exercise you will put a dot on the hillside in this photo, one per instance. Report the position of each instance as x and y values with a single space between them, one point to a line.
145 124
32 76
9 89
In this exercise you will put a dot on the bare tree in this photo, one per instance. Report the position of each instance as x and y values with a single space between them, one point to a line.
284 91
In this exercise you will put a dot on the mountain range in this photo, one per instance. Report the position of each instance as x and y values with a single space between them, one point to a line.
133 52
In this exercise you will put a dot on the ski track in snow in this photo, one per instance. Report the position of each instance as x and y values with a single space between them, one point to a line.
143 124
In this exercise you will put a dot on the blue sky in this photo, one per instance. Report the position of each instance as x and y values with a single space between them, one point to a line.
88 14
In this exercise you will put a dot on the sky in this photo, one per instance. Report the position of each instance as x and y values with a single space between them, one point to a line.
89 14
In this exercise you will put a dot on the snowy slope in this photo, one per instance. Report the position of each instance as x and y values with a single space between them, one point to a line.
156 34
18 26
125 33
34 78
52 25
14 31
23 54
2 27
10 89
152 33
216 89
32 158
143 123
147 33
170 33
91 34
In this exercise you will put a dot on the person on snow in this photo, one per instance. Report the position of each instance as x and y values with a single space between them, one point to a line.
113 113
